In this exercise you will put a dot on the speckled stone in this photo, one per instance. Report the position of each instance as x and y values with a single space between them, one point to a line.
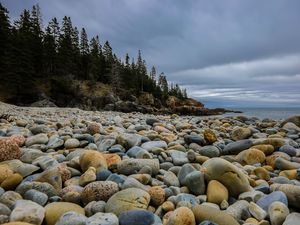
99 190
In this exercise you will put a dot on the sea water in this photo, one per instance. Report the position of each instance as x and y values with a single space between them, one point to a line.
262 113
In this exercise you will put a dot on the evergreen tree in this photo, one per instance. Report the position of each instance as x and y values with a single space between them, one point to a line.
84 55
5 44
153 73
95 59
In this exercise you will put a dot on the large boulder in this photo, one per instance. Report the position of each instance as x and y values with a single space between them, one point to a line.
228 174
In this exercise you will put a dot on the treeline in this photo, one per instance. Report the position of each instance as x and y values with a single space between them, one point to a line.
31 53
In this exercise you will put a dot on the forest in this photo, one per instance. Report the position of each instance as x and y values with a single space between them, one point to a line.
36 56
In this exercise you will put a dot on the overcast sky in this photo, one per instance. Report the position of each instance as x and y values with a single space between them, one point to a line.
226 53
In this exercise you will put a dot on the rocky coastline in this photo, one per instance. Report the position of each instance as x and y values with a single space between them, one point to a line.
67 166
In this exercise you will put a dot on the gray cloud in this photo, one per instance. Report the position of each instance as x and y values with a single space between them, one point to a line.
231 52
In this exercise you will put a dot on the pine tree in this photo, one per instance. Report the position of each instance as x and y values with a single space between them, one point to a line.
115 79
107 52
95 58
37 38
153 73
5 44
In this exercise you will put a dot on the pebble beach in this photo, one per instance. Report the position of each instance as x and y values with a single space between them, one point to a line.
66 166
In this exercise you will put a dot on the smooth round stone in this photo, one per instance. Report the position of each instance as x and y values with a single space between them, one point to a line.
55 143
12 182
116 178
141 217
209 151
51 176
37 129
44 187
278 213
183 172
257 212
128 199
154 144
266 149
133 166
9 150
105 144
234 148
72 218
45 162
196 183
94 207
151 121
228 174
288 149
9 198
22 168
133 183
283 164
94 128
56 209
99 190
5 172
183 197
239 210
157 195
37 139
194 139
216 192
103 175
292 219
292 193
251 156
210 136
267 200
91 158
132 152
28 211
240 133
88 176
181 216
103 219
178 158
71 143
170 179
4 210
203 213
36 196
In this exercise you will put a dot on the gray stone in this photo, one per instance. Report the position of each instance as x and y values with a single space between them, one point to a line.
71 218
170 179
196 183
36 196
292 219
141 217
28 211
267 200
132 166
234 148
103 219
154 144
37 139
209 151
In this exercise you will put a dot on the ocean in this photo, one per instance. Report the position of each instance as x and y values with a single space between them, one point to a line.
262 113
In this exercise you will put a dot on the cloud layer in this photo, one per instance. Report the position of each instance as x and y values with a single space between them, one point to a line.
227 53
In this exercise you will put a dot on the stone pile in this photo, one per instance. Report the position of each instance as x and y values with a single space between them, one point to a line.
74 167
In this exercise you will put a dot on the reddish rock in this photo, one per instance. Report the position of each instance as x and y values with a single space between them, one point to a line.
9 149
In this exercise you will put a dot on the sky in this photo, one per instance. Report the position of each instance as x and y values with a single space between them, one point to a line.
231 53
